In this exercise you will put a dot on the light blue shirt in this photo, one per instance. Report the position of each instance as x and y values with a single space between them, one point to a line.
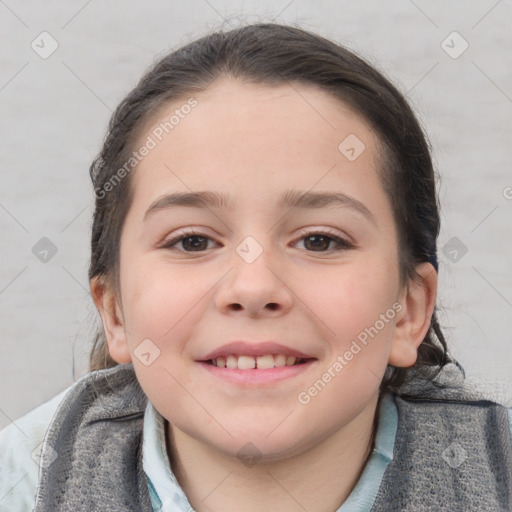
21 442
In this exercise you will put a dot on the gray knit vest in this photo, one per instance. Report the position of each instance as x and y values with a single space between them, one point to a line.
448 456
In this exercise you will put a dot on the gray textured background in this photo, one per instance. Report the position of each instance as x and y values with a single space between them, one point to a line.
54 114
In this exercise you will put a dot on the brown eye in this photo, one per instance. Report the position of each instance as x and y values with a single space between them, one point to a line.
317 242
321 242
188 242
195 243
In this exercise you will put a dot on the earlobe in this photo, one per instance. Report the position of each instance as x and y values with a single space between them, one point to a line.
414 321
112 318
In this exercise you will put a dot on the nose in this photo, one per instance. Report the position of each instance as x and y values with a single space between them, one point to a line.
255 287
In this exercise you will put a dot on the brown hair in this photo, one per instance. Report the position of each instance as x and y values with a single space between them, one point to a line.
275 54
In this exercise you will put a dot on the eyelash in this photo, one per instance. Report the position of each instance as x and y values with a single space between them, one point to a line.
342 244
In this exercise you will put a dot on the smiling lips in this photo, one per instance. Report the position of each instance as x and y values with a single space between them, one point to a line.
263 355
250 362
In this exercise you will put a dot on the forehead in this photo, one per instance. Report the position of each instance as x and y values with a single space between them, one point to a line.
253 137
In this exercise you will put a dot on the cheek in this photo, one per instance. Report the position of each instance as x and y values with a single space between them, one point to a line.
162 308
348 299
161 304
356 309
351 306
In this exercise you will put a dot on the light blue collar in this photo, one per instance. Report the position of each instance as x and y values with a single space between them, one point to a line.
362 497
164 490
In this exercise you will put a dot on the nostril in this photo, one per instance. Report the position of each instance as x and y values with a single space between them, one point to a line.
272 305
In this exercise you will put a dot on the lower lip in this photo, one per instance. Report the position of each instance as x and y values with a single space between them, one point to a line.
255 376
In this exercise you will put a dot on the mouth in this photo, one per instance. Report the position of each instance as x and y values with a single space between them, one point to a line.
258 372
263 362
254 364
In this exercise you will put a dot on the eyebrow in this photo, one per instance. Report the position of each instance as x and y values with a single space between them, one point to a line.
290 199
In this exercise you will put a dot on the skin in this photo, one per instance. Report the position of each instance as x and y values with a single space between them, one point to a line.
253 142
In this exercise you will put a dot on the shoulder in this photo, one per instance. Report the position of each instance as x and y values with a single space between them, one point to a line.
460 400
455 407
450 451
102 394
510 421
466 421
20 448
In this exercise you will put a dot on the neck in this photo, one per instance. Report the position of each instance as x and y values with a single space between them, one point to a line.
320 478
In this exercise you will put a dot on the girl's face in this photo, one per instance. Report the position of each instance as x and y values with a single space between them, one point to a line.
299 258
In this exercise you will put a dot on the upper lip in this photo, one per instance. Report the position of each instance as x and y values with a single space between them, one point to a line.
261 348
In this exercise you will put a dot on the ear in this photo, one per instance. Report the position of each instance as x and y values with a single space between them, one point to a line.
112 317
418 301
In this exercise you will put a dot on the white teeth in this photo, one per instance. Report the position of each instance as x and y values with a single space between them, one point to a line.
264 362
248 362
232 362
279 360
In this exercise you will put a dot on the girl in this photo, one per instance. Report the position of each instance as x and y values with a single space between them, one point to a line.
263 259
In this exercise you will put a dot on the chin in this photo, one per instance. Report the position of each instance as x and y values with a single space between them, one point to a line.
251 448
